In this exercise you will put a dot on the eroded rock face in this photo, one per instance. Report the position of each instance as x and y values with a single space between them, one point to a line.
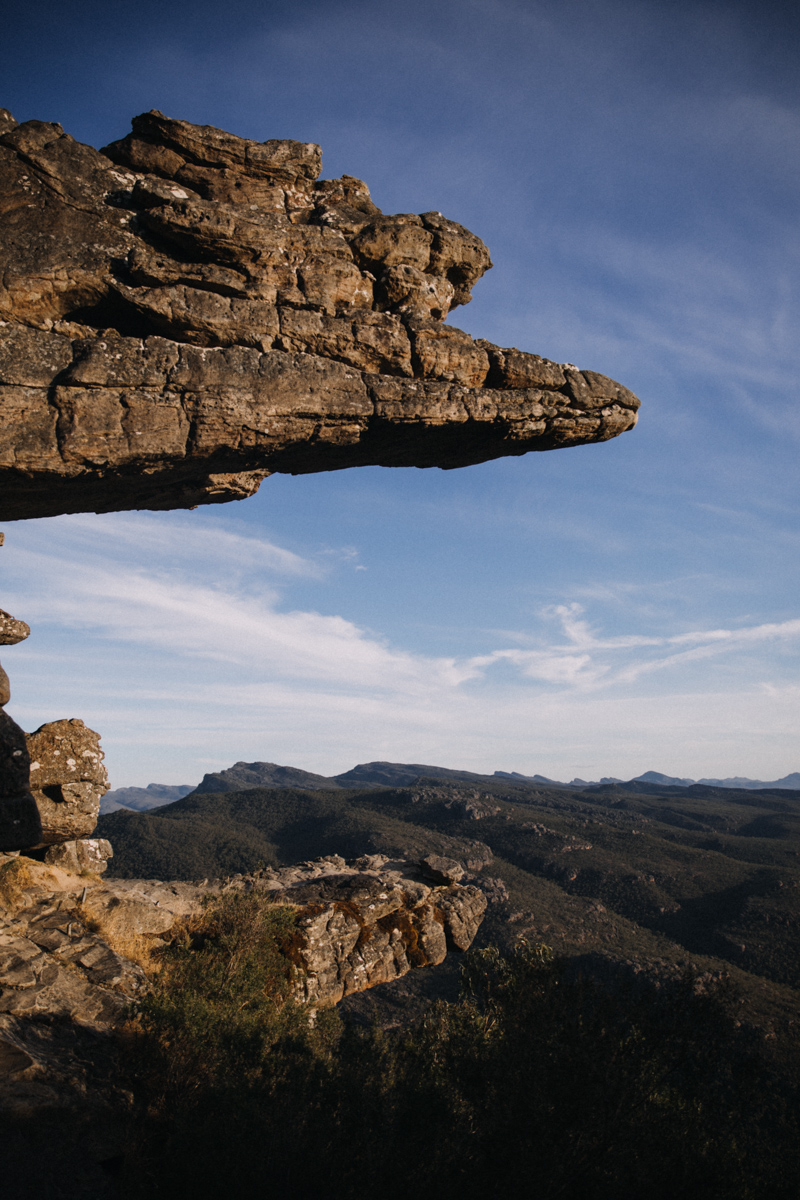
188 311
65 940
71 955
374 920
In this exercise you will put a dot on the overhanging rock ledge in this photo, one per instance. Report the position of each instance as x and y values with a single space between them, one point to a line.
186 312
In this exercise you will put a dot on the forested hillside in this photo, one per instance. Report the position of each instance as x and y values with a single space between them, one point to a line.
655 877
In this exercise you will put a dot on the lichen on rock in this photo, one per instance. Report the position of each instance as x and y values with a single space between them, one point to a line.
67 779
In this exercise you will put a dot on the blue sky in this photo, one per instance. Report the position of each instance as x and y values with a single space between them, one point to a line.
634 169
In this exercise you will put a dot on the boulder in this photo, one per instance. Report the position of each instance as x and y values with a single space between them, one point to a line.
371 921
441 870
67 779
81 855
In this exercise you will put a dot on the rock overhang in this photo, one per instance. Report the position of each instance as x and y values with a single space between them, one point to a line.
186 312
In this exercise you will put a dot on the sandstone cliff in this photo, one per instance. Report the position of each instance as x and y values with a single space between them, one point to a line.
187 311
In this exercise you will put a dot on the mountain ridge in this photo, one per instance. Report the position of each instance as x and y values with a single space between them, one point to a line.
244 775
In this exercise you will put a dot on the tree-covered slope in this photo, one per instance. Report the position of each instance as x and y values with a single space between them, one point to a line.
663 874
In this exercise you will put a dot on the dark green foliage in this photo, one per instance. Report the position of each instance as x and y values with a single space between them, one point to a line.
222 998
211 835
553 1076
218 1038
558 1086
537 1082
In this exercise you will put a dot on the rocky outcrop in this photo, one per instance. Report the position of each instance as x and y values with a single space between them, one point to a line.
373 920
71 946
75 952
188 311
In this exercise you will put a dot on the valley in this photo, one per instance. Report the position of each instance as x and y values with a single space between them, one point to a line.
637 877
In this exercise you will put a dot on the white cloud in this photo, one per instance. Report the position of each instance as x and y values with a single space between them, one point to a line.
175 670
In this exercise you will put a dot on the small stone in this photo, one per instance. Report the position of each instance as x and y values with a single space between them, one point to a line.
12 630
441 870
5 689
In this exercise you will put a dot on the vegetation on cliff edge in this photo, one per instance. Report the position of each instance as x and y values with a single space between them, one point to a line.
537 1082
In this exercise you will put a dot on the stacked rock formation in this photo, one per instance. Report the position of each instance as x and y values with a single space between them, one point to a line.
51 782
68 780
20 824
188 311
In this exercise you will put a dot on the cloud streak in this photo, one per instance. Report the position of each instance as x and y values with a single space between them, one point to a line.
101 590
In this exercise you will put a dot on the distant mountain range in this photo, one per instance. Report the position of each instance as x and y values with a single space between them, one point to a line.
791 782
138 799
242 776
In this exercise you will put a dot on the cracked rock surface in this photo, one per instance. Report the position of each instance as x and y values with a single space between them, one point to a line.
186 312
71 947
65 939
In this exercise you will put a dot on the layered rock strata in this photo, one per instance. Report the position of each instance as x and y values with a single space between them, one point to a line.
70 964
188 311
373 920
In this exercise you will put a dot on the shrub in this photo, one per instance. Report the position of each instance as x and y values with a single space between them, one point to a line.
536 1083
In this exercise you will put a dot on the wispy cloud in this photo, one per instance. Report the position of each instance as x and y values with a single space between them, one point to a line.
175 540
101 586
587 661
